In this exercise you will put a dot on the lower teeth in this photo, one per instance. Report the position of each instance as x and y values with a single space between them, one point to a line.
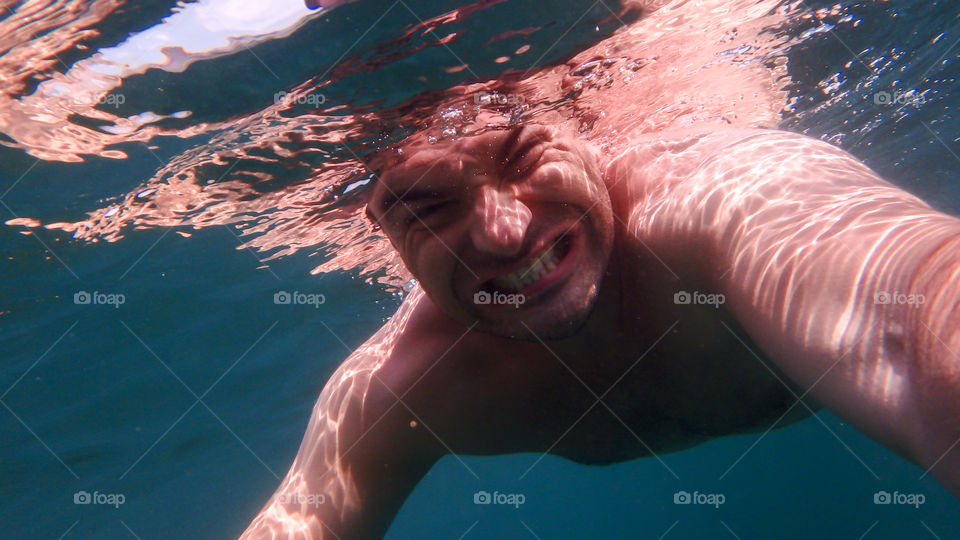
548 263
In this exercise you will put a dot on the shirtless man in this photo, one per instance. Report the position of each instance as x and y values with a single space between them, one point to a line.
603 361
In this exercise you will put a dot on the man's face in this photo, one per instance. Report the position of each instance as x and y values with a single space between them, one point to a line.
509 229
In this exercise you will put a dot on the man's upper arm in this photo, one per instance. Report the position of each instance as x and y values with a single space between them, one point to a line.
822 262
354 468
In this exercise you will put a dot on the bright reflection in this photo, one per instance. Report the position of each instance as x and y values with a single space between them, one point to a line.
40 123
202 30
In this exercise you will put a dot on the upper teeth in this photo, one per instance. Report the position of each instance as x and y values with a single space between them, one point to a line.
528 275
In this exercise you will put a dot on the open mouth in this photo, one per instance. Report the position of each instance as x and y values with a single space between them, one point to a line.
538 273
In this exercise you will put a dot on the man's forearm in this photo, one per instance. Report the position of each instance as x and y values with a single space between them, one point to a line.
337 512
348 481
359 460
320 498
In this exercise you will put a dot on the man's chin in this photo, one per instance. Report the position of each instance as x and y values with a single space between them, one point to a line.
540 323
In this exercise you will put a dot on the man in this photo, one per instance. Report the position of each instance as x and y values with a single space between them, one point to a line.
594 308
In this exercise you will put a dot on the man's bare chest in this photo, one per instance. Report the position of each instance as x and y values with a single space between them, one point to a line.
628 395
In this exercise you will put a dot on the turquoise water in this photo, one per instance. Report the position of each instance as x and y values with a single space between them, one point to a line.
105 399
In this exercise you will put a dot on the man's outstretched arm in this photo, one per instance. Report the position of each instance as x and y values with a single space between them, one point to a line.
849 283
356 464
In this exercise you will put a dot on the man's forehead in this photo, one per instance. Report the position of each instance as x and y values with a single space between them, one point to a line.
423 150
441 157
421 161
424 170
423 157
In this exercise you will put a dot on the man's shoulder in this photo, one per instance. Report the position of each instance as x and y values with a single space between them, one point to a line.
686 148
649 168
423 366
416 339
422 326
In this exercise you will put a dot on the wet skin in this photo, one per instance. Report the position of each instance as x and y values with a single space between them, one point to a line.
599 364
603 321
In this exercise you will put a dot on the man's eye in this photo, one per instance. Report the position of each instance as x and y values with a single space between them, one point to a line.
427 212
524 158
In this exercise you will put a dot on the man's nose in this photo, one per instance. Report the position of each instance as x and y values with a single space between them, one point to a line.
500 222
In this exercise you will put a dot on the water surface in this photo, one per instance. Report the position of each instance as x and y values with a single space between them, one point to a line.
175 174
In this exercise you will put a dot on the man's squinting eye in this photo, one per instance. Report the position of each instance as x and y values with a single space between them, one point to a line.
427 212
524 156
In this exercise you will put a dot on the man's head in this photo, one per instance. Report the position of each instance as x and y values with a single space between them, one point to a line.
511 229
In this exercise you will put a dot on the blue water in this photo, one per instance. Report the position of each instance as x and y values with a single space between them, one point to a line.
104 399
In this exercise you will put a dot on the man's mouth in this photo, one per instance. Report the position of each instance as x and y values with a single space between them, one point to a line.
527 279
